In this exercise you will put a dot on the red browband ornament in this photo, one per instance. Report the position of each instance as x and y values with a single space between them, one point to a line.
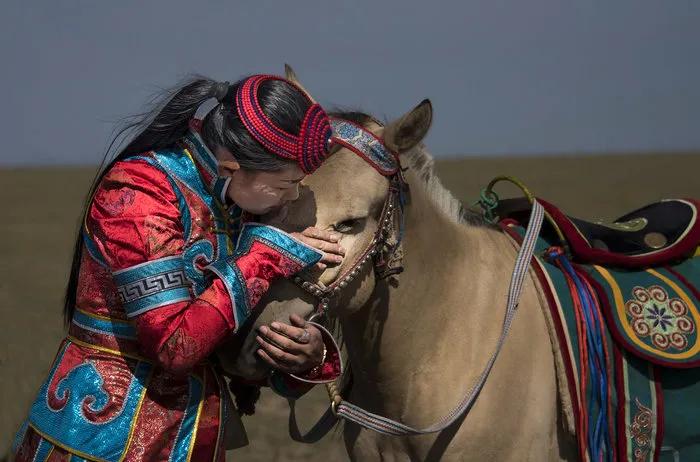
309 148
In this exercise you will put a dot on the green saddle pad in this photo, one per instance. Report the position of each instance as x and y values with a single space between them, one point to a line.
653 313
646 396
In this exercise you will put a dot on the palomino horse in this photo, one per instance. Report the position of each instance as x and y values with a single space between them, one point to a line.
418 340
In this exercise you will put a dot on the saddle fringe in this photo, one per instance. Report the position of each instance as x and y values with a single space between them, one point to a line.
566 407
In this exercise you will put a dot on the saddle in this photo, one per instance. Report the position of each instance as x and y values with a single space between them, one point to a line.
658 233
624 300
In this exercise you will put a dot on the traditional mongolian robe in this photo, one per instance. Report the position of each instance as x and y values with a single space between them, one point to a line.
168 272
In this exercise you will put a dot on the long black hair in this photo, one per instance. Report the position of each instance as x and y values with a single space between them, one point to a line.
168 121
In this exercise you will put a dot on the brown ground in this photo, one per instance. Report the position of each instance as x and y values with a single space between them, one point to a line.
40 218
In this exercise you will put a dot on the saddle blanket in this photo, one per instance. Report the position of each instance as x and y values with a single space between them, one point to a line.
630 346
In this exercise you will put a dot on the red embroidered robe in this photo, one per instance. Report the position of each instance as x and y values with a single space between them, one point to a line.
162 283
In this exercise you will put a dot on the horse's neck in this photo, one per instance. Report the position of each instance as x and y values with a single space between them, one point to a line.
446 309
420 345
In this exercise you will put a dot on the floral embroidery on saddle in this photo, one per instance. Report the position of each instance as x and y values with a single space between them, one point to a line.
662 319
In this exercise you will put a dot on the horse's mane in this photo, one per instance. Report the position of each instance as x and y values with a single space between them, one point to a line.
422 163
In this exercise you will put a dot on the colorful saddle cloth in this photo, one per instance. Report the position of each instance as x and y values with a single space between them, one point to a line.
629 337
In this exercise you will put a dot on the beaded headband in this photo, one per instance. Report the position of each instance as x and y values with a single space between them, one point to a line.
309 147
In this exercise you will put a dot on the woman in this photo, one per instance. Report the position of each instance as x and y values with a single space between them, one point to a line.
169 263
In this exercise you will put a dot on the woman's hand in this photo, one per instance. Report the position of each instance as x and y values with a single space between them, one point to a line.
326 242
291 348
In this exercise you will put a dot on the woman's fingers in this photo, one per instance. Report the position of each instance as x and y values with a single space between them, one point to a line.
272 363
329 259
332 253
296 333
324 246
328 247
291 348
297 320
265 357
317 233
276 357
285 342
326 242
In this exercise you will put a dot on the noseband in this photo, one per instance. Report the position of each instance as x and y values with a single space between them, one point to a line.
365 144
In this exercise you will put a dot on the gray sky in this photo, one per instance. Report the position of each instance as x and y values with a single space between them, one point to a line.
517 77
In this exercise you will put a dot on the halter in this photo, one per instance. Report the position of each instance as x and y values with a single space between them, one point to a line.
370 148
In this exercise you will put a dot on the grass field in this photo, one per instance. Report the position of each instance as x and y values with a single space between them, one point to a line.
40 218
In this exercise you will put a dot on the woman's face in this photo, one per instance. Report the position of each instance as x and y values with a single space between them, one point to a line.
259 192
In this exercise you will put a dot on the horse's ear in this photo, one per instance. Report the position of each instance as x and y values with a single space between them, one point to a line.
410 129
292 77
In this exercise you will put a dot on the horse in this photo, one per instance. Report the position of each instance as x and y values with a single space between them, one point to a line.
417 340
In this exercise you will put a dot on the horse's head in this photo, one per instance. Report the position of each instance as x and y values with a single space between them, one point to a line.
350 195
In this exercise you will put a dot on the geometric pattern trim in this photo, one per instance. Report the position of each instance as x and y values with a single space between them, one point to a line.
152 284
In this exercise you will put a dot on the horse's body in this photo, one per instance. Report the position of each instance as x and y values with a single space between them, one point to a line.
418 347
418 341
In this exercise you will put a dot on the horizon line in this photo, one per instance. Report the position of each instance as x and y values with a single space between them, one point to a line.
438 157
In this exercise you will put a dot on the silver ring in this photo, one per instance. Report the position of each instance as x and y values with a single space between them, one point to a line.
304 338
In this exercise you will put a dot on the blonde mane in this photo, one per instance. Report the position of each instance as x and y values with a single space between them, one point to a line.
422 163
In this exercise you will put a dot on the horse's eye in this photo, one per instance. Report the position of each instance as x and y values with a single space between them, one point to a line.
347 226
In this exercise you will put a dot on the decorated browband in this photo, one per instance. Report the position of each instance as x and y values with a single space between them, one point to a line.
309 147
365 144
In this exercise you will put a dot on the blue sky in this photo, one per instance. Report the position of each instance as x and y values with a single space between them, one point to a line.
505 77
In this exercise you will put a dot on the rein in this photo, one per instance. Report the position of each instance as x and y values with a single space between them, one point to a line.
339 408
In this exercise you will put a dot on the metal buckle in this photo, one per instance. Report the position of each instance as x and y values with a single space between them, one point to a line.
334 407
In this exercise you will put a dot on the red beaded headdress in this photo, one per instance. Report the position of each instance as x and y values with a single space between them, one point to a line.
309 147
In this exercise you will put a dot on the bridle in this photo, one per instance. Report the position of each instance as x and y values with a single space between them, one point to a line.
373 150
379 250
